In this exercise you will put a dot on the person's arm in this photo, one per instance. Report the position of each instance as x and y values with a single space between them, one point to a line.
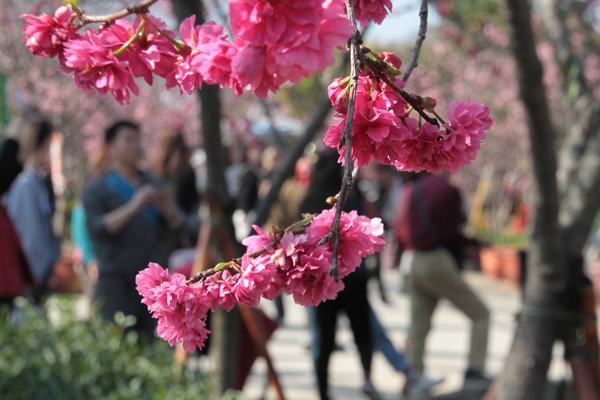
102 222
166 205
115 220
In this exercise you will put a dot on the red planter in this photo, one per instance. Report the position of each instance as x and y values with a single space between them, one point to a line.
502 262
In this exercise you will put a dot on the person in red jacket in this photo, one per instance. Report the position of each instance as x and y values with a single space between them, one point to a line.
429 218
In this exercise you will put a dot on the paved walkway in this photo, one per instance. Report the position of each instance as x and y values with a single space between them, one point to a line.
446 349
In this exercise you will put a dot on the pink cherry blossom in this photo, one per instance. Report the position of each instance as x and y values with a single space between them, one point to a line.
472 116
359 237
207 57
46 35
284 40
222 287
181 311
150 53
149 279
339 94
371 9
257 242
309 283
378 127
288 250
95 66
256 277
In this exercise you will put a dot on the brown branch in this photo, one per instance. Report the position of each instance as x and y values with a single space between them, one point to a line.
139 8
414 100
347 182
420 39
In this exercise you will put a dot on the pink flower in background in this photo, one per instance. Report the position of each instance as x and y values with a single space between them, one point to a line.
95 66
207 57
376 10
46 35
257 275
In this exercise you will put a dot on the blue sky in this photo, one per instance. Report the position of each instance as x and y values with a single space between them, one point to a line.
402 25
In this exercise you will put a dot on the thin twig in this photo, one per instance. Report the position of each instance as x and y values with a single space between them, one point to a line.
414 100
138 8
347 182
420 39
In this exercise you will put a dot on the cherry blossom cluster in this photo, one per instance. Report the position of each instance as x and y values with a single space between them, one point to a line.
289 261
275 41
384 131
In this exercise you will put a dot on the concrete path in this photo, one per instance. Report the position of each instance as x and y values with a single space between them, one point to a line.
446 349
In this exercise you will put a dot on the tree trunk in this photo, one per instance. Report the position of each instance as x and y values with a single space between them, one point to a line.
525 369
225 326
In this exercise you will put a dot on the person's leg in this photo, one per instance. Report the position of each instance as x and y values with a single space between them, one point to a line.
356 306
323 343
446 281
422 305
279 306
384 344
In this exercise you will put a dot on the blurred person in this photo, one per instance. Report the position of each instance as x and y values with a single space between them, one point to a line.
21 132
172 165
126 210
286 210
428 222
30 206
325 182
249 181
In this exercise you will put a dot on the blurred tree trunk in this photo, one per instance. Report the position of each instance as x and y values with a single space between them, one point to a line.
566 199
225 326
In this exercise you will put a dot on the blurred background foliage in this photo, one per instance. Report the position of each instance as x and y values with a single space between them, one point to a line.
53 352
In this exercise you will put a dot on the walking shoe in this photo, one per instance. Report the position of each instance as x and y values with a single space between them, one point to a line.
418 384
370 391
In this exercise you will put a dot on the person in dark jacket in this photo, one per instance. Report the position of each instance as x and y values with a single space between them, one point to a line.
126 211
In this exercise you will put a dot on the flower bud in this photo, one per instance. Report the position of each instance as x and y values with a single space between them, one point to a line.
429 103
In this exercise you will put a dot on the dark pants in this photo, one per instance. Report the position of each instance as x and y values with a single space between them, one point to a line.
119 294
353 300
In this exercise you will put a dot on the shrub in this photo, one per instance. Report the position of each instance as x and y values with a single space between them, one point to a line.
51 353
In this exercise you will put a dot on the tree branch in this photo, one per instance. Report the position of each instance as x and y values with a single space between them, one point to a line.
414 100
420 39
139 8
347 182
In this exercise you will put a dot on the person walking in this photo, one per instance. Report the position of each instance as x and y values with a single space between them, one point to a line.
428 222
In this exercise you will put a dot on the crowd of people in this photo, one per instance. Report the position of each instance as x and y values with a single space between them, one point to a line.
128 217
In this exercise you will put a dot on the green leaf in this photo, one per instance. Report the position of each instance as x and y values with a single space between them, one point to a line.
73 3
221 266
